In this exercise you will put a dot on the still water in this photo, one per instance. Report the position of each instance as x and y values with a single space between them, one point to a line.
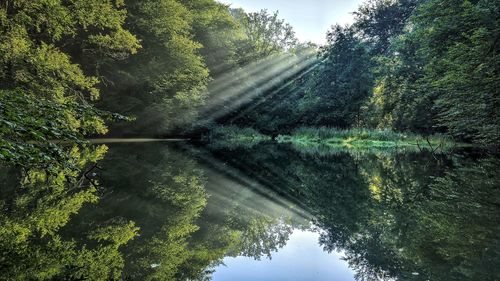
175 211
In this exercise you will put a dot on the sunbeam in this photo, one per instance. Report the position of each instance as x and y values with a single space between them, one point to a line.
235 89
273 93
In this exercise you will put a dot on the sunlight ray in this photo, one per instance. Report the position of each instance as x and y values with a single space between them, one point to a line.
246 78
237 97
273 93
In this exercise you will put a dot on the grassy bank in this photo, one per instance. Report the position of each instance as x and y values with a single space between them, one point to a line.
328 140
363 139
233 136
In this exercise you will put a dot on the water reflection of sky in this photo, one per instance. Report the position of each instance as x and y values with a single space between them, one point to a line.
301 259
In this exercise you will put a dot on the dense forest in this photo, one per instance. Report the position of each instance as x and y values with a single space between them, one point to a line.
75 69
70 67
410 66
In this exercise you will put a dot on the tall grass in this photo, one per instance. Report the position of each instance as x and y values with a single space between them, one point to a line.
237 133
233 136
360 138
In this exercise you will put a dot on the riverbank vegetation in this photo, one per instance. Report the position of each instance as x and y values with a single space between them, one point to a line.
329 140
363 138
407 73
232 136
234 133
413 66
70 70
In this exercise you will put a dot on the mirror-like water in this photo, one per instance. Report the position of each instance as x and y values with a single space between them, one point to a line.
300 259
172 211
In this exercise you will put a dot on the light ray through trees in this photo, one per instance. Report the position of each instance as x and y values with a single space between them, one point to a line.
237 88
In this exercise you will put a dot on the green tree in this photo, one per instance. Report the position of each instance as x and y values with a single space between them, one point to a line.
439 75
265 35
462 63
341 83
380 21
164 83
40 42
219 34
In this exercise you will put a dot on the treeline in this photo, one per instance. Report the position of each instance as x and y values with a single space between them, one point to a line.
423 66
68 67
168 66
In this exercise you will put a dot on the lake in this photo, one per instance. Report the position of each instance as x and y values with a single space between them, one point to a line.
181 211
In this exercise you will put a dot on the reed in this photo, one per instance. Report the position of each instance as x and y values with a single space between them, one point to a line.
364 138
233 136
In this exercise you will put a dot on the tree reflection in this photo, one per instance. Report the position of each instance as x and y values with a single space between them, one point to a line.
433 221
407 216
263 235
34 212
163 190
145 213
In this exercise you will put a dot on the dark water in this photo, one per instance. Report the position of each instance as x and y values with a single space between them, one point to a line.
172 211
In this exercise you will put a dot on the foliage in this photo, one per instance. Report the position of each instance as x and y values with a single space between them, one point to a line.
233 136
464 75
40 78
380 21
341 83
70 53
165 81
265 94
265 35
219 33
185 45
416 66
439 76
31 127
35 211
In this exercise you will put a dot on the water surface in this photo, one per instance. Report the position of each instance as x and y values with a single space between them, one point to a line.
176 211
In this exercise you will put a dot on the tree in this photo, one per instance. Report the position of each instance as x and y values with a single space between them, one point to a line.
164 83
462 56
439 75
265 35
37 61
380 21
341 83
219 34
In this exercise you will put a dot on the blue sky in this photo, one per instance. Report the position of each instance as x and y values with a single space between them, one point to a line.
311 19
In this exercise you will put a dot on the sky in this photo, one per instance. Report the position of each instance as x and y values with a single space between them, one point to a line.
311 19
